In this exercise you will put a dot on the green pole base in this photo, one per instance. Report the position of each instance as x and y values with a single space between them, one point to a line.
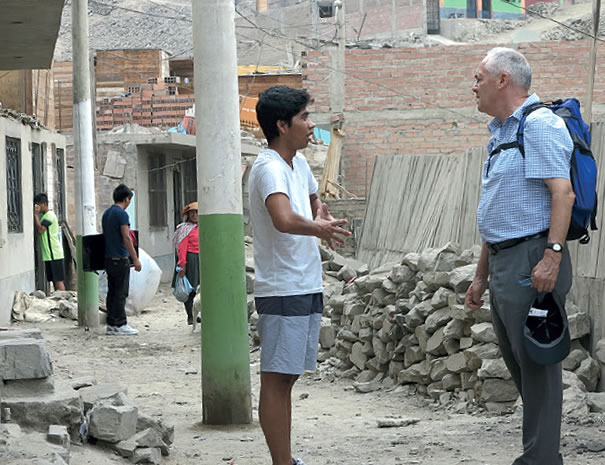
88 292
225 351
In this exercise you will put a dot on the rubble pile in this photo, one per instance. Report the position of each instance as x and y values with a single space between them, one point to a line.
42 418
574 29
38 307
407 324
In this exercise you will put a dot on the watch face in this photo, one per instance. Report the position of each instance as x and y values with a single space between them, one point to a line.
557 247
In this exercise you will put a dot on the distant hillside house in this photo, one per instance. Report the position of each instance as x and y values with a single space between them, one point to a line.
487 9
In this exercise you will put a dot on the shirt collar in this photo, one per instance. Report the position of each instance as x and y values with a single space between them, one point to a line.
517 114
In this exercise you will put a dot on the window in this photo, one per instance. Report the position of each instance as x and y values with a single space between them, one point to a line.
60 185
190 181
13 184
134 89
157 190
153 80
171 90
170 80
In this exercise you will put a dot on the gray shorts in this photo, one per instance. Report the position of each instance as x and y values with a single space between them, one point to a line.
289 332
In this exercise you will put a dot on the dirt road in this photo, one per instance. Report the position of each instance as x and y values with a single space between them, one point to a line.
332 423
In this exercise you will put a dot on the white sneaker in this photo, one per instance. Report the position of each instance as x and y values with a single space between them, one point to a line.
125 330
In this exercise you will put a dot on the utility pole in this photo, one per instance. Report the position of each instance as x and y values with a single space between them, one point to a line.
86 222
225 350
596 16
337 64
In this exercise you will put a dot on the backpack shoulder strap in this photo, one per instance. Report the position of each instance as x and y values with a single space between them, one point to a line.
521 131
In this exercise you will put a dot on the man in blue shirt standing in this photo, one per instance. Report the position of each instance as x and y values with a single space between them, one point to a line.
523 218
118 246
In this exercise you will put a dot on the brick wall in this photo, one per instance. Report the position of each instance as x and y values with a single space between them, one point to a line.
419 100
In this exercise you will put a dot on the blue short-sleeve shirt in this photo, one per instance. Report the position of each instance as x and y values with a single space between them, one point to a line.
113 219
515 201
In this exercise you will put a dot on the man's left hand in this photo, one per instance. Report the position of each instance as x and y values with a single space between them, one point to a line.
544 275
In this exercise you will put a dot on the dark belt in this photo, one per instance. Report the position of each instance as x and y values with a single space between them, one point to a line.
495 247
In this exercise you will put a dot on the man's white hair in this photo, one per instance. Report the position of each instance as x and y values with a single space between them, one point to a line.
506 60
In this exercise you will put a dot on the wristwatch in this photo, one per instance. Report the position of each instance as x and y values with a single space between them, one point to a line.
554 246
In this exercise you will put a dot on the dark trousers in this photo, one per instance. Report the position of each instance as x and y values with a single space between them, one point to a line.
540 386
118 277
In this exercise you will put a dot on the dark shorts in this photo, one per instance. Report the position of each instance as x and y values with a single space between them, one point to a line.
289 332
54 270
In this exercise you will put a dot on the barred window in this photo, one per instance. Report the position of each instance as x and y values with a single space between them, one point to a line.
190 181
13 185
60 185
157 190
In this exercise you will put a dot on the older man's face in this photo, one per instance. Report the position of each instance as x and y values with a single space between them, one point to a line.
485 90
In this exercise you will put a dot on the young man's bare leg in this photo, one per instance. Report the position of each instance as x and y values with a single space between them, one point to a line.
275 414
59 285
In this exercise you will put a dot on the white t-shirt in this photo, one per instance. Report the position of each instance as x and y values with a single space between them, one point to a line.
285 264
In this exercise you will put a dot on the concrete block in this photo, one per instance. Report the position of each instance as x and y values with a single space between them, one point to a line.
24 358
27 387
147 455
58 434
32 333
63 407
112 424
97 393
126 448
166 431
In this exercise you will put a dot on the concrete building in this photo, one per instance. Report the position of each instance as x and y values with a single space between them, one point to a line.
161 169
31 157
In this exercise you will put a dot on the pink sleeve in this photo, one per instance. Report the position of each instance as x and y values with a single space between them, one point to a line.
182 252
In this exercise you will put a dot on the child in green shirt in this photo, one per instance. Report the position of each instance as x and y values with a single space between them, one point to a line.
50 241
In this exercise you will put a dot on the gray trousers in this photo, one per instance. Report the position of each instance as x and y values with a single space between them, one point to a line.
541 387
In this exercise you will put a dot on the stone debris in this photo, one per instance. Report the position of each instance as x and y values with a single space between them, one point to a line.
407 323
37 307
396 422
59 414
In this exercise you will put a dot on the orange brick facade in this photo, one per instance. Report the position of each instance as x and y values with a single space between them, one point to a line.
419 100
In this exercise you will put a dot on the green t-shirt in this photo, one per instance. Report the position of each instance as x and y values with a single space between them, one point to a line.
55 250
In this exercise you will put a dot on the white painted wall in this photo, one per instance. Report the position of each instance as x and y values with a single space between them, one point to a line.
17 268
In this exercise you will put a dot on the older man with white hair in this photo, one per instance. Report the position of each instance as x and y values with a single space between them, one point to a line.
523 218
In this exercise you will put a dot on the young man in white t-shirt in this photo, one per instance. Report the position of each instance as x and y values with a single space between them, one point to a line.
287 216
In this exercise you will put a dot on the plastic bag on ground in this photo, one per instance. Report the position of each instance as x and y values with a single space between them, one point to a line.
142 285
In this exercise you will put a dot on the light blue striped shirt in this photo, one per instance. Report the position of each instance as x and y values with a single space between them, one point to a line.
515 201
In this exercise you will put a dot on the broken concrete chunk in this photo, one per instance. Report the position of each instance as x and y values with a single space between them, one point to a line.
499 390
147 455
579 325
58 434
99 392
484 332
63 407
24 358
126 448
27 387
33 333
112 424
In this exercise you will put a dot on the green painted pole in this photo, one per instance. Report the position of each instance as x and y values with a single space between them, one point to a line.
225 351
88 292
86 221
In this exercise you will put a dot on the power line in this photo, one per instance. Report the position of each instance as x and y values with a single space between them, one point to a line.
139 12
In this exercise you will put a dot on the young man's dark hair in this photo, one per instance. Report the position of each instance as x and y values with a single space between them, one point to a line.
41 198
279 103
121 193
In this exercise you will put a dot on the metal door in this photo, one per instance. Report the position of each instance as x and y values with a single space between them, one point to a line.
486 9
39 187
432 17
471 8
177 195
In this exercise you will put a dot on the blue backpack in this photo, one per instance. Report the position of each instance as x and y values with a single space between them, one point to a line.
583 171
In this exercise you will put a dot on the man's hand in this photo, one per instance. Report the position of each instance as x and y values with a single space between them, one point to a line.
330 230
474 292
137 265
182 272
544 275
36 209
